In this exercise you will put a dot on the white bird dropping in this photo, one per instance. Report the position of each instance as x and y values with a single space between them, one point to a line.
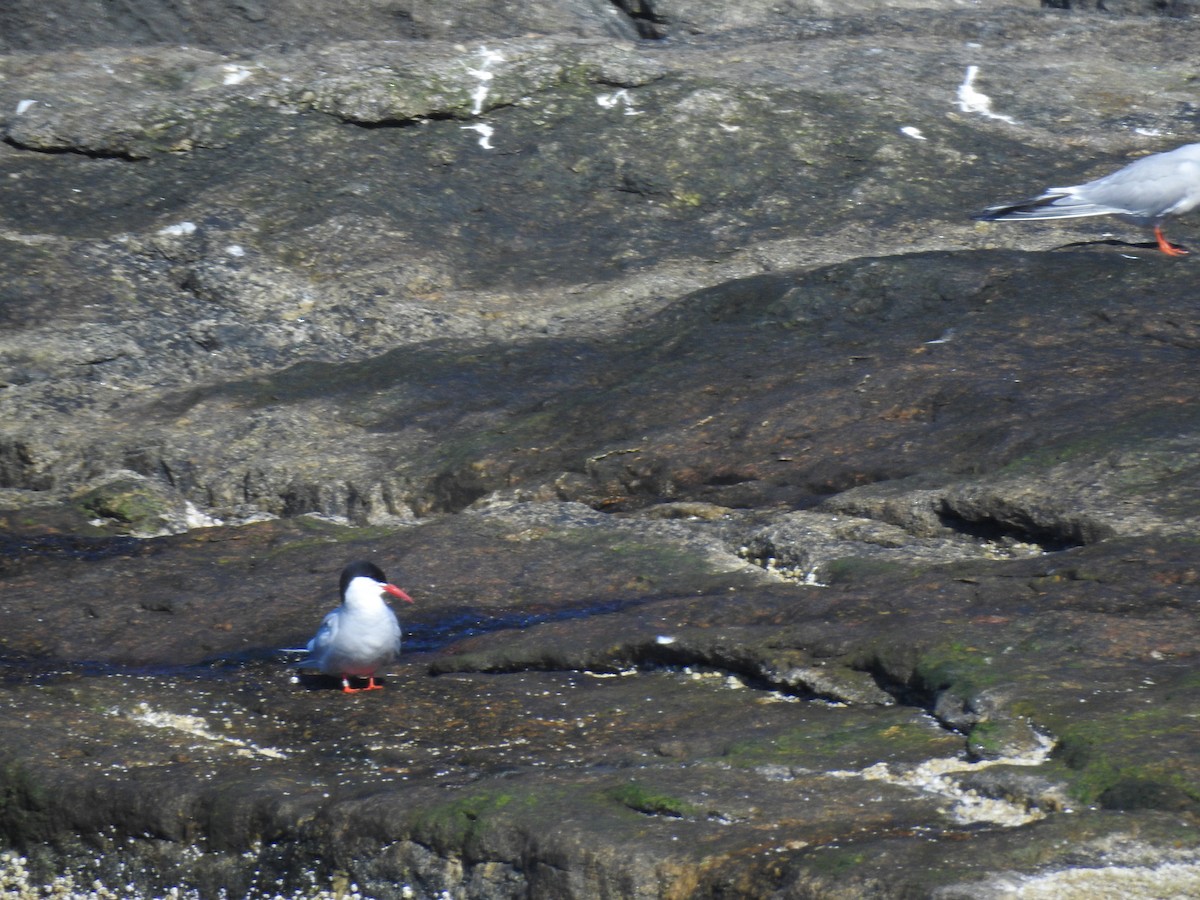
973 101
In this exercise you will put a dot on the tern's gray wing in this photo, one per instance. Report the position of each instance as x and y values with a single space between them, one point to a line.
1146 190
1056 203
325 635
318 648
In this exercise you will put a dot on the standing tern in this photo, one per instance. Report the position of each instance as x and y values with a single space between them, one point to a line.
362 635
1144 192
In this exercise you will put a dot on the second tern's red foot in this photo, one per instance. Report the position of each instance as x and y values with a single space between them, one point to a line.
1166 246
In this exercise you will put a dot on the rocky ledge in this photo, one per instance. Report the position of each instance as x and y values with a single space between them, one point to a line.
774 529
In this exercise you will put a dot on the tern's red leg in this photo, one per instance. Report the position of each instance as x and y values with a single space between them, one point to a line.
371 685
1166 246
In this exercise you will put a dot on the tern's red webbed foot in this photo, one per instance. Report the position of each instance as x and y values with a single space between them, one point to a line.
1166 246
371 686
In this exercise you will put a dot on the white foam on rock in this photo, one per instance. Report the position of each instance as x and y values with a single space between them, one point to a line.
935 776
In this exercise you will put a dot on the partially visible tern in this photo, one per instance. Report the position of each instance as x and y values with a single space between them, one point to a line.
1144 192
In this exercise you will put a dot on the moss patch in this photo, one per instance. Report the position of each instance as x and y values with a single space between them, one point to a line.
453 825
887 734
965 667
643 799
134 503
1108 760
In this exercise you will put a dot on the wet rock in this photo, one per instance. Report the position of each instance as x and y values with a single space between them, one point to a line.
809 546
28 26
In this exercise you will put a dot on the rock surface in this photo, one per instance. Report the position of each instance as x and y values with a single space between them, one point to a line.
775 529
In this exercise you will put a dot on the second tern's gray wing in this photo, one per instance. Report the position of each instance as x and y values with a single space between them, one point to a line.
1056 203
1146 190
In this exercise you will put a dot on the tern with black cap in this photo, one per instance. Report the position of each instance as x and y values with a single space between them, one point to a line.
362 635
